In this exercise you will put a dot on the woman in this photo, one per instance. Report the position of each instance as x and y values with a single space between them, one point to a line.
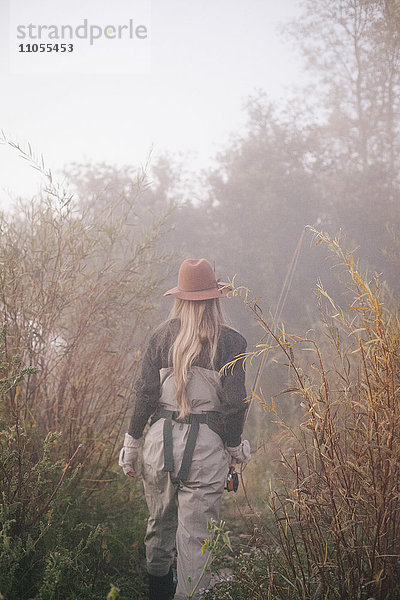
196 426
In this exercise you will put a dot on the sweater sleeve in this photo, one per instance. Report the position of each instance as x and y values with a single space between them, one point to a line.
147 389
234 394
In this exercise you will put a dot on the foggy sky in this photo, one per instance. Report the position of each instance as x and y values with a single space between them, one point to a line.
207 57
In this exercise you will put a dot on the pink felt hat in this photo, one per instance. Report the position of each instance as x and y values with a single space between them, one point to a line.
196 281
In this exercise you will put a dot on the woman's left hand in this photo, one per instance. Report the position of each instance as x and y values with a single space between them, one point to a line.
128 455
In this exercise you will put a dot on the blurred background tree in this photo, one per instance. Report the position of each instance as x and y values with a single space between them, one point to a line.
82 282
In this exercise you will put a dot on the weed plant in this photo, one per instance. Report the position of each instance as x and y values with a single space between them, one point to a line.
331 528
75 306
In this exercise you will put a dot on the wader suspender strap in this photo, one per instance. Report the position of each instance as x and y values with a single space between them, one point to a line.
189 447
167 438
194 420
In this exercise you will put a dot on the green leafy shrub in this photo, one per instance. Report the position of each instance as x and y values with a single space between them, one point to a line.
58 540
76 284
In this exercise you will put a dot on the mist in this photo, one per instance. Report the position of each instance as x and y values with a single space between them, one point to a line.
299 211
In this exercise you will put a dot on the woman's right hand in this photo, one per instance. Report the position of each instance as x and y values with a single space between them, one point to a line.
241 453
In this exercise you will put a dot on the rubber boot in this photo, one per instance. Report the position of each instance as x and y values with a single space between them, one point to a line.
161 588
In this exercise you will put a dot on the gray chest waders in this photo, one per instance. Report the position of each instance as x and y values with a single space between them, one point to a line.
210 418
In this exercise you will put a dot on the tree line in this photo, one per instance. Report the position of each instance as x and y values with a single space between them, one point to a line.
82 276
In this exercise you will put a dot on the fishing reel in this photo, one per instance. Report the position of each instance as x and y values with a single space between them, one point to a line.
232 480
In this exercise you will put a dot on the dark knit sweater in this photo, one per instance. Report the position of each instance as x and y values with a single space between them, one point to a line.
147 387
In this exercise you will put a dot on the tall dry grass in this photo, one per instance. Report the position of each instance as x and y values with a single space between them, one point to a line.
76 295
334 501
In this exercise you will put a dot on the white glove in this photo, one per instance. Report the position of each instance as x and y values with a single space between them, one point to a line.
128 455
241 453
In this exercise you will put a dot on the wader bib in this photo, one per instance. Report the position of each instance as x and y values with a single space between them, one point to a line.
184 469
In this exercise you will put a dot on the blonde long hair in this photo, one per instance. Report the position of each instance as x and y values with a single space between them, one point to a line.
201 322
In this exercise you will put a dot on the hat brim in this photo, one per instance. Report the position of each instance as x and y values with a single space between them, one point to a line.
221 291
